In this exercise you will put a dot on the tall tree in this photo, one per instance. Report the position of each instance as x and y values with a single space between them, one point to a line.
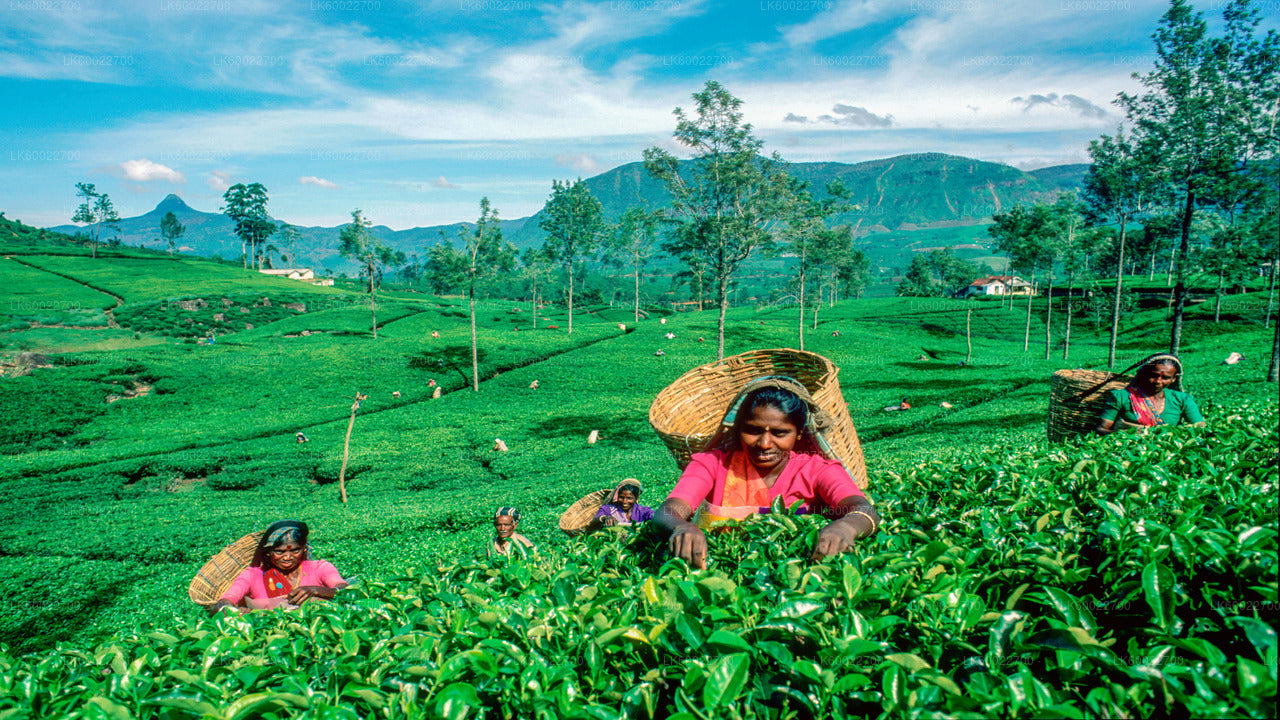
97 211
535 267
356 242
1117 188
1074 245
854 272
481 256
726 199
246 205
1201 112
806 236
288 236
574 223
938 273
171 230
633 242
1024 234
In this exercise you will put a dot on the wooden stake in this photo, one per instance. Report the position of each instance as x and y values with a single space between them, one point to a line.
346 448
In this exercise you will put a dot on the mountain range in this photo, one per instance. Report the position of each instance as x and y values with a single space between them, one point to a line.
897 202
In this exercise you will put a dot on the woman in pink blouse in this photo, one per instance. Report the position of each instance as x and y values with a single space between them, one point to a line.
281 573
769 446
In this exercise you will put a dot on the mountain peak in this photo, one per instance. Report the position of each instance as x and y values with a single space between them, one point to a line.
172 203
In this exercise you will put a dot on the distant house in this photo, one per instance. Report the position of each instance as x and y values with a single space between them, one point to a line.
997 285
303 274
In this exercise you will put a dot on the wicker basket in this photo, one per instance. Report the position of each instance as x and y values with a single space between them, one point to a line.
217 575
1076 399
575 520
688 412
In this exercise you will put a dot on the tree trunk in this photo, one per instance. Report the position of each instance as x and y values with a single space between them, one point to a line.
475 361
1026 338
1115 306
723 292
968 336
1066 337
1271 292
1152 275
1273 373
535 302
1173 259
346 450
570 297
1180 290
1048 317
800 324
637 293
816 307
1217 297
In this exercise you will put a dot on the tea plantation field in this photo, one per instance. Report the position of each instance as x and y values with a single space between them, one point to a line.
1105 577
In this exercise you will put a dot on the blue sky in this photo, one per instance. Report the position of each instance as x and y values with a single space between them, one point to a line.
413 111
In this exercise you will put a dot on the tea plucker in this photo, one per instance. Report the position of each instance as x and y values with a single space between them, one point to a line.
1153 398
281 572
770 445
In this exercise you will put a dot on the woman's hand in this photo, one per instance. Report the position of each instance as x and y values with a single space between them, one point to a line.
834 539
859 519
688 542
301 594
608 522
685 540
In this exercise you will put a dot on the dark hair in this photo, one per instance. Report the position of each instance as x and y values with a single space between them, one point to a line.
635 490
787 402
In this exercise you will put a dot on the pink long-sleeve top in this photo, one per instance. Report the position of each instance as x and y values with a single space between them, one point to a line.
249 581
807 477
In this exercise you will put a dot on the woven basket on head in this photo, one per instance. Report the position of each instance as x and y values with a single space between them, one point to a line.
688 412
575 520
1076 399
217 575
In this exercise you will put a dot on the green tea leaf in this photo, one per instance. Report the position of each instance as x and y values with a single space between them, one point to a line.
728 675
1157 587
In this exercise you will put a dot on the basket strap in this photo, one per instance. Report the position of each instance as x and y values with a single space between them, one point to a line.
1105 380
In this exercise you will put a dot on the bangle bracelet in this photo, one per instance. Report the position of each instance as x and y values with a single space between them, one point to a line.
874 525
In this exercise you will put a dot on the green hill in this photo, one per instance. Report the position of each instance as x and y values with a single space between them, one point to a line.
901 195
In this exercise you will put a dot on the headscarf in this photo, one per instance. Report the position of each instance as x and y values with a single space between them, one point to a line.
629 482
276 532
1142 406
511 512
811 440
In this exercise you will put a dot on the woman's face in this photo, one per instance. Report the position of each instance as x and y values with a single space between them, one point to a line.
504 526
767 437
1155 378
286 556
626 501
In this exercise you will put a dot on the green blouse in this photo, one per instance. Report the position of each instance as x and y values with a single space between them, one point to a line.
1179 407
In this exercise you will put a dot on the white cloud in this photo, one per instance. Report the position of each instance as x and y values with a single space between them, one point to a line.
583 163
218 181
144 170
318 182
441 182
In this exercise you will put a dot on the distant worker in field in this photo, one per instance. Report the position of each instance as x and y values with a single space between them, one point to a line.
281 573
621 508
507 541
768 446
1155 397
